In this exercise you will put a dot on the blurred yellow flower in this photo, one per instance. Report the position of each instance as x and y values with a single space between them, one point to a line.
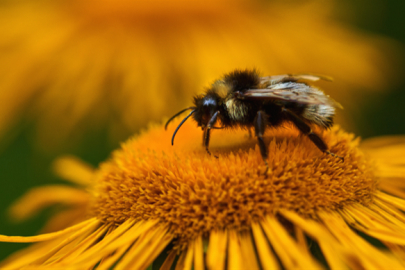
225 212
74 65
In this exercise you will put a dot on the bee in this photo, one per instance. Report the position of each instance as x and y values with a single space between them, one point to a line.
244 99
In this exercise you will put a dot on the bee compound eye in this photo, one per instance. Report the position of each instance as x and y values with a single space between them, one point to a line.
209 102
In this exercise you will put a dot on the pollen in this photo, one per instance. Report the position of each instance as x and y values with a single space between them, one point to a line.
195 193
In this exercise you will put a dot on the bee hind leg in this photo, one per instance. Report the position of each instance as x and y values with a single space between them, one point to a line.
260 126
306 130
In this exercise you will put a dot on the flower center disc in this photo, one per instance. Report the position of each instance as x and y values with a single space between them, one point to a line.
194 192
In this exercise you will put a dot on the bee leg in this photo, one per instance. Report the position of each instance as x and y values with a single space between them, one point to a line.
204 135
306 130
260 126
211 123
207 139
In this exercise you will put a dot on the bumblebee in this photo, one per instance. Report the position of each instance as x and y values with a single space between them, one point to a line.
244 99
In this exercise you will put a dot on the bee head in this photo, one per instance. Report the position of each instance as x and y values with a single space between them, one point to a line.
206 106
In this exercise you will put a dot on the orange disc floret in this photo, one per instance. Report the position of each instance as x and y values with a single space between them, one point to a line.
195 193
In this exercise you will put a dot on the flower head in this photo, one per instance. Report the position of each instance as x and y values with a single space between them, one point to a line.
214 212
196 193
109 63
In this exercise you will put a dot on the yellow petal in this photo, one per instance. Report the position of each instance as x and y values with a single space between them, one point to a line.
44 237
39 198
198 254
74 170
217 249
267 257
285 247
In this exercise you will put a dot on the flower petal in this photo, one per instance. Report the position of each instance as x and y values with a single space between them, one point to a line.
38 198
217 247
267 258
44 237
285 247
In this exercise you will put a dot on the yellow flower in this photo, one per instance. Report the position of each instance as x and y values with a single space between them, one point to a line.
119 64
216 212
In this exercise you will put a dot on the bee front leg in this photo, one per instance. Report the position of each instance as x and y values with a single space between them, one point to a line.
206 140
260 126
207 130
204 135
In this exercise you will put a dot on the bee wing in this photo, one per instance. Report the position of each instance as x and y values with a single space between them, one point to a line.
290 92
293 78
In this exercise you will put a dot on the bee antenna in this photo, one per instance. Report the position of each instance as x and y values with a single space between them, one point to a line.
177 114
184 120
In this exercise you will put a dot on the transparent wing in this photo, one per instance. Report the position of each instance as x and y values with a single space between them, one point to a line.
293 78
290 92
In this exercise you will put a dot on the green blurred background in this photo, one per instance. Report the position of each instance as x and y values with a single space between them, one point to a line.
23 165
384 113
